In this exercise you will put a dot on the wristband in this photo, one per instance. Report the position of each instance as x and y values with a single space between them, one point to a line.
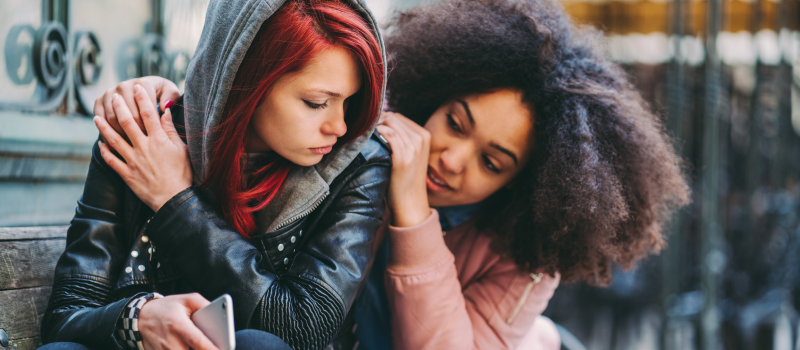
128 323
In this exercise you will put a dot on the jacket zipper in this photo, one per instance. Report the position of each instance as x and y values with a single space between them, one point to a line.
535 278
154 266
303 214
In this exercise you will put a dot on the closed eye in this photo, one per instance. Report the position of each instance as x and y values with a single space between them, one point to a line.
490 165
315 105
453 125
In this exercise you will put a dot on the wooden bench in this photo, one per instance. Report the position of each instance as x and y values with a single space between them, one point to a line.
28 257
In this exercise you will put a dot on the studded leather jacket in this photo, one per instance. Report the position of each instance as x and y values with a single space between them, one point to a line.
297 282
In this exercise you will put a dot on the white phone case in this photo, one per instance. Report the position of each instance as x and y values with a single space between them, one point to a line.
216 322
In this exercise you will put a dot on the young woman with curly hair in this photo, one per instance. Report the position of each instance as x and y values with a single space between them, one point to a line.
520 155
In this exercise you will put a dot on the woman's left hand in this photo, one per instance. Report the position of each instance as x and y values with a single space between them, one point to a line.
411 146
156 165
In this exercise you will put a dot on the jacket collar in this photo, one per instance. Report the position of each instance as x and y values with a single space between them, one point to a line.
306 187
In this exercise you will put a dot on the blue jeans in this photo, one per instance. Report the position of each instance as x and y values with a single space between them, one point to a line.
248 339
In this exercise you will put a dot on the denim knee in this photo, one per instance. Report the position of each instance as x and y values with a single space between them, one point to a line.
251 339
64 346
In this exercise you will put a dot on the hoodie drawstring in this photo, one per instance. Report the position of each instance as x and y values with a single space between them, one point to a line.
535 278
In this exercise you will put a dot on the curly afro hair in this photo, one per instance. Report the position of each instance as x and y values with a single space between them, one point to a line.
603 176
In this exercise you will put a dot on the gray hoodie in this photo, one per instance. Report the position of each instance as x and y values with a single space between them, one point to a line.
229 29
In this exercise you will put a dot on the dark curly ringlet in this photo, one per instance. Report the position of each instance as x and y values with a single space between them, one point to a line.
603 176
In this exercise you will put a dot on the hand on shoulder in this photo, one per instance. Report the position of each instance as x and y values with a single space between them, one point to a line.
410 143
156 164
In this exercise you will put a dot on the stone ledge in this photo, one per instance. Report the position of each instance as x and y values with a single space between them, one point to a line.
40 135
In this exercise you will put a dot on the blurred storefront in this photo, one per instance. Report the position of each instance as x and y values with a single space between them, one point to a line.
722 74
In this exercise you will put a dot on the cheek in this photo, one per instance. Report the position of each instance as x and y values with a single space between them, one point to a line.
440 137
479 187
280 127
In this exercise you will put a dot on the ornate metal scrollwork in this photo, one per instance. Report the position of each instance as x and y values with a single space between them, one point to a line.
127 63
88 66
19 53
50 55
49 59
154 59
44 54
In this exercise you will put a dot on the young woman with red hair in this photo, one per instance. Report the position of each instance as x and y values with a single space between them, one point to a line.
263 181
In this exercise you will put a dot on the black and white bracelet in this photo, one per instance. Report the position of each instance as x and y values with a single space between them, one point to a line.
128 323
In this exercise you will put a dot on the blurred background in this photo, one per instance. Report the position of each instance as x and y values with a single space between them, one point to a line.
720 72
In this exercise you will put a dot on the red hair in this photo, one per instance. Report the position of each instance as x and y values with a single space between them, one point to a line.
286 42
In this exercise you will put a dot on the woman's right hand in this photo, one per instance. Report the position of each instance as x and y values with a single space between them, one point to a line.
166 323
157 88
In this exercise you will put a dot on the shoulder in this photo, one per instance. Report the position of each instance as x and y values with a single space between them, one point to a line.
376 150
372 165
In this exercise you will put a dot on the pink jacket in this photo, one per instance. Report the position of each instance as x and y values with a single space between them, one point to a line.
448 290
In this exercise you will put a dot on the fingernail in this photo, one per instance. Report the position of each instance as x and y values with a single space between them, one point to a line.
116 96
136 88
96 119
168 105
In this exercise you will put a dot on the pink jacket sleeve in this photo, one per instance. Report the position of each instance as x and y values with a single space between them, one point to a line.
432 310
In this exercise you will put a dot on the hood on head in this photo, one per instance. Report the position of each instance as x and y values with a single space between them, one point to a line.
229 29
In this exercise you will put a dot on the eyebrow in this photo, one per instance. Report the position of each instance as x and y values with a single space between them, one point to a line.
329 93
507 152
469 113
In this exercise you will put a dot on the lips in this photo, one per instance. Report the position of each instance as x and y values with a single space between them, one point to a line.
435 182
322 150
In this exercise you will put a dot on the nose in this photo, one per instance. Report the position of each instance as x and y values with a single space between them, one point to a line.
335 125
454 158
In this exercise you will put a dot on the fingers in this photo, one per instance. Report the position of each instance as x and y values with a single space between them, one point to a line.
409 136
195 301
108 109
98 107
393 139
126 90
169 128
119 166
194 337
126 121
410 142
410 125
166 91
99 110
112 138
147 111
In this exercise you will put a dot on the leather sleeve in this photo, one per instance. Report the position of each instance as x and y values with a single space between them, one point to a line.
305 305
80 308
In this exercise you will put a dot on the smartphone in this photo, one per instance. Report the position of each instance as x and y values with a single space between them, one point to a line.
216 322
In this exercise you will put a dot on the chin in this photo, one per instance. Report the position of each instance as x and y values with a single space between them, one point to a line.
436 201
306 160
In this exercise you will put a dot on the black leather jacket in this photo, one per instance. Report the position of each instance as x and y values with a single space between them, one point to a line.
297 282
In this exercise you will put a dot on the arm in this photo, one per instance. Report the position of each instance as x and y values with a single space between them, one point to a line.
304 306
80 308
432 310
